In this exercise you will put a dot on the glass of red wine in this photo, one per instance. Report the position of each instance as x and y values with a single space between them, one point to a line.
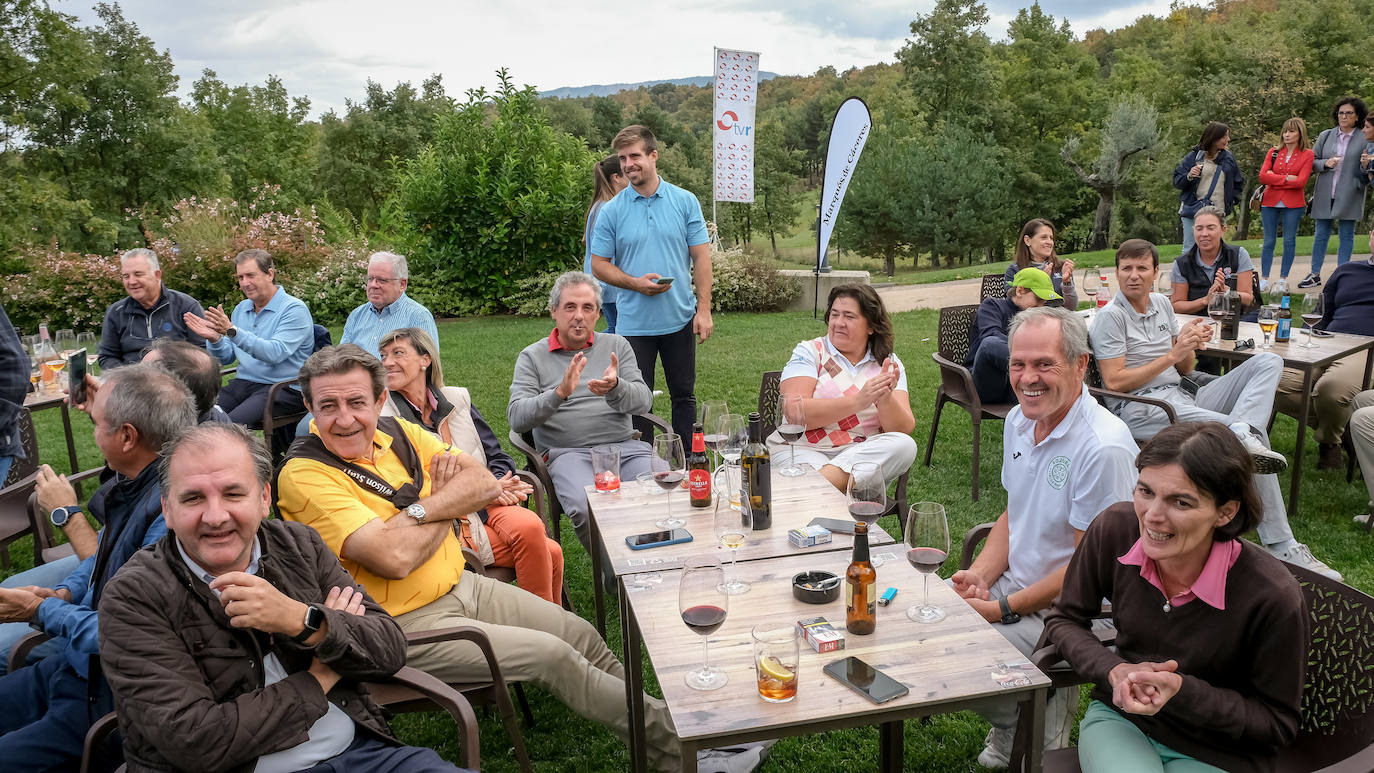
927 545
670 469
1311 314
867 492
791 426
703 605
1218 308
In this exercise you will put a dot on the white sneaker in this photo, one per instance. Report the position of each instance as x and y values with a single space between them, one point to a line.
734 759
996 754
1298 554
1267 461
1362 520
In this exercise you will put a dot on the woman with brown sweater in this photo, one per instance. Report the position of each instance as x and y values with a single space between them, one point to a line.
1211 642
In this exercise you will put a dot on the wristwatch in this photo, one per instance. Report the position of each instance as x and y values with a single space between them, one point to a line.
314 618
416 511
61 515
232 331
1008 617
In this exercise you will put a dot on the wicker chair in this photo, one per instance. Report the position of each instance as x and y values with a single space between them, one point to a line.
15 521
770 393
994 286
956 382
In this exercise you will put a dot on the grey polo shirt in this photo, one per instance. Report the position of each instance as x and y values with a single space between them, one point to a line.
1119 330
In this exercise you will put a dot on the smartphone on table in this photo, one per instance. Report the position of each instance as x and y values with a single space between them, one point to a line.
833 525
656 539
865 679
76 376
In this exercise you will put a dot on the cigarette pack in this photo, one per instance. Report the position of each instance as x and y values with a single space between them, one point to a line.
820 634
807 536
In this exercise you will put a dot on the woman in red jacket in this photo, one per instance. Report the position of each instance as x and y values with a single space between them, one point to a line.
1284 175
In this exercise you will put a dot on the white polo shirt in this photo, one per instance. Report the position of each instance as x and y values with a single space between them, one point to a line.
1061 484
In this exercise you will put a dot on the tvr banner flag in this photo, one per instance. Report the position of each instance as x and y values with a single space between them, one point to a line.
736 97
848 133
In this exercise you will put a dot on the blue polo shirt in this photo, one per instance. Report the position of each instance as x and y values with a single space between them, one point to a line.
651 234
272 344
366 324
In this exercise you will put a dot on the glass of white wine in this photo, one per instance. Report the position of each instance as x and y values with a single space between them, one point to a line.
732 528
1268 322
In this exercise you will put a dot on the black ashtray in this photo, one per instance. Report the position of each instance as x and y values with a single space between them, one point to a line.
816 587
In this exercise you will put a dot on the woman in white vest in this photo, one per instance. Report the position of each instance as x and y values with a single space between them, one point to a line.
853 389
503 534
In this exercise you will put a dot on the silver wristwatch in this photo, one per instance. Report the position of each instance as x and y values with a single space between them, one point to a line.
416 511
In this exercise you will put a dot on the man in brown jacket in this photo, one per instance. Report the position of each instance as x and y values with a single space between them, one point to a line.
237 643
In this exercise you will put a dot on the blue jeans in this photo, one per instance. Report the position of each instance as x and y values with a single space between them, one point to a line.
1187 233
990 372
608 309
5 463
1345 243
1269 218
375 756
45 711
44 576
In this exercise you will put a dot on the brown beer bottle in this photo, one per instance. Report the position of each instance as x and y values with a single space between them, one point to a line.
698 470
860 587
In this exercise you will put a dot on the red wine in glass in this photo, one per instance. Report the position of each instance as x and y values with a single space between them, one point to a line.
703 619
668 479
791 432
868 512
926 560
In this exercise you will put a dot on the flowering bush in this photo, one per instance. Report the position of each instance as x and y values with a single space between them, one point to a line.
743 282
65 289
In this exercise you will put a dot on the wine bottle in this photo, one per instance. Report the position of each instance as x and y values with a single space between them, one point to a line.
699 470
1285 318
1230 325
860 587
758 475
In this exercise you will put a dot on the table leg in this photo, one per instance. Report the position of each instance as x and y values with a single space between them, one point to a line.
1304 411
634 690
1035 745
598 593
890 746
71 443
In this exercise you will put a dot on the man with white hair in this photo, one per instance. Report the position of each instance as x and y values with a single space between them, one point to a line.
151 311
388 307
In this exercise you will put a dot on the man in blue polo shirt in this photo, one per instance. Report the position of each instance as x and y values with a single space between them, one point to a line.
388 307
646 240
270 334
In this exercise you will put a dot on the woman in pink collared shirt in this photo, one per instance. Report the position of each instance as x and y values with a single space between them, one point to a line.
1211 644
1284 177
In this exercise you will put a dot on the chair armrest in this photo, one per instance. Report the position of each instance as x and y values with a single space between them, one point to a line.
536 501
449 700
21 649
972 539
473 563
955 378
95 737
462 633
658 423
1163 405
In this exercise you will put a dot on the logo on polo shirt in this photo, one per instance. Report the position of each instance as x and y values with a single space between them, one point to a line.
1058 474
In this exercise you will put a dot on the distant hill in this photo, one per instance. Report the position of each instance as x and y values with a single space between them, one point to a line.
573 92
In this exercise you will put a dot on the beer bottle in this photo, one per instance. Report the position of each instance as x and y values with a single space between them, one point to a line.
756 470
860 587
1285 319
698 470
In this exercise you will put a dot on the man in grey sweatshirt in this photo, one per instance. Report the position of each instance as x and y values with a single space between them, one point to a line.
569 415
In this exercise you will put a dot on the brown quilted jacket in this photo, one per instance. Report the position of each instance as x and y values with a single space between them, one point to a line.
188 688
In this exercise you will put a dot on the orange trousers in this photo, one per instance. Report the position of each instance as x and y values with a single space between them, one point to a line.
518 542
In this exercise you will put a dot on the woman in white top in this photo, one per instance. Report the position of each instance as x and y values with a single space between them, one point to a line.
504 533
853 389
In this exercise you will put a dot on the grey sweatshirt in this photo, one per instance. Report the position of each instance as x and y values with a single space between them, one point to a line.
584 419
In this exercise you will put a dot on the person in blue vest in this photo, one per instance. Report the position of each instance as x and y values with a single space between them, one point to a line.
988 351
46 708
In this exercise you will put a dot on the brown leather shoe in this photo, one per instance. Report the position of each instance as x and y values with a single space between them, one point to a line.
1330 457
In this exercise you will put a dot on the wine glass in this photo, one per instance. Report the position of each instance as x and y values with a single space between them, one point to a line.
1218 308
733 430
1164 284
670 469
867 492
927 543
87 341
703 606
35 373
1312 309
732 527
66 342
1091 283
711 411
791 426
1268 321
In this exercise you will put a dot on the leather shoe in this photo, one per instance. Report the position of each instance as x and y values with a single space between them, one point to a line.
1330 457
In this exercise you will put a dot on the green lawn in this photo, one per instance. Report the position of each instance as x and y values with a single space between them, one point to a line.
479 354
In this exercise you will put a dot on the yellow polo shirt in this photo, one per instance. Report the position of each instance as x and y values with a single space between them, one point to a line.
326 499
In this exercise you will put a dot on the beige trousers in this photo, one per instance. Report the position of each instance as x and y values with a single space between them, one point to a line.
539 642
1332 392
1362 433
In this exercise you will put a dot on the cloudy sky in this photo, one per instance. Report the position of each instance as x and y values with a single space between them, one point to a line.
327 49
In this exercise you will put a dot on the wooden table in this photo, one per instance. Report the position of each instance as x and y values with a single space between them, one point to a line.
948 665
38 401
1311 362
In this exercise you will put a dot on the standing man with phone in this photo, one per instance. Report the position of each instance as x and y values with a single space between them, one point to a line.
646 240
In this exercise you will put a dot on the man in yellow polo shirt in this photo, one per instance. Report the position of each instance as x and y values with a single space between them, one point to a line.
356 485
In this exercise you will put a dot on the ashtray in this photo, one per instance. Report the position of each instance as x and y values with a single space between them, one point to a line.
816 587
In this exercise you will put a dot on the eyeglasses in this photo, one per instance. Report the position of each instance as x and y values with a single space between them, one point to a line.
1345 112
1248 343
379 280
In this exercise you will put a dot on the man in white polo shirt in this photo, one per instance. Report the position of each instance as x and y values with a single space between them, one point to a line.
1064 460
1142 349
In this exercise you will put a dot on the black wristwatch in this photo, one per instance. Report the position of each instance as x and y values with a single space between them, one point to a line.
1008 617
314 618
60 515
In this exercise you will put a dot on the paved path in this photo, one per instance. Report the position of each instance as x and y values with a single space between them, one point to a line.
963 291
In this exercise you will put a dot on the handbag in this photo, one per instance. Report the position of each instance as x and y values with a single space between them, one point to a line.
1257 198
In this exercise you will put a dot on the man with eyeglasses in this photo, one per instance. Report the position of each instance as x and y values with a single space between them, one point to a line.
388 307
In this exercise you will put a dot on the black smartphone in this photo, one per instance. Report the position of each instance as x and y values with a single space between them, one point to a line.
76 368
1321 333
656 539
834 525
865 679
664 280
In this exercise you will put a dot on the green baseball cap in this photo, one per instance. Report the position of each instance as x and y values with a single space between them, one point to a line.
1037 281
